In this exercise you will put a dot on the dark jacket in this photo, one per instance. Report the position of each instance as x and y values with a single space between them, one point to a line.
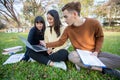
34 36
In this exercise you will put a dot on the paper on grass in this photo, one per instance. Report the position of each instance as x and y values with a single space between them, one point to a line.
89 60
14 58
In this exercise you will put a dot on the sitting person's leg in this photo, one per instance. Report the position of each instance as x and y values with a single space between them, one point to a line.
40 57
58 59
61 55
43 57
26 56
74 58
110 60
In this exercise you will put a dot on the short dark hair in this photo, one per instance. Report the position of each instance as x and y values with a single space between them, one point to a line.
73 6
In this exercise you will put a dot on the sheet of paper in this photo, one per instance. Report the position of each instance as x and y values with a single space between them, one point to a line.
14 58
89 60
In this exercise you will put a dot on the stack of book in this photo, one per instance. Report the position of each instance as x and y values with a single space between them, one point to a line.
12 50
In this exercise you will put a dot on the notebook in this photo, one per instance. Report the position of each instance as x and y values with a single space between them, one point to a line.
16 58
88 59
36 48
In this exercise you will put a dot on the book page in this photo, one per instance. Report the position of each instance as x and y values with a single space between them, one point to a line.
14 58
88 59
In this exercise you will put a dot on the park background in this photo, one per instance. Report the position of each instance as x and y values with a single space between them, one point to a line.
16 18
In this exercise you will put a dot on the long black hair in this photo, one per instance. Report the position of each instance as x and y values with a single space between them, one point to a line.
41 20
57 22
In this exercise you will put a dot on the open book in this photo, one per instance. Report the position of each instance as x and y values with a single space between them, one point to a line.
88 59
36 48
14 58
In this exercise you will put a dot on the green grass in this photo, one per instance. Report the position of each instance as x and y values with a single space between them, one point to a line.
36 71
112 43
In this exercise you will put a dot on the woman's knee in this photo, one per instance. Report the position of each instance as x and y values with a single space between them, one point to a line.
64 52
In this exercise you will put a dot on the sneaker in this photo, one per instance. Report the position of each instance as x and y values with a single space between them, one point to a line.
61 65
111 72
77 67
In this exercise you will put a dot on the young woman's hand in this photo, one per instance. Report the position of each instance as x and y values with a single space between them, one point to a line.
42 42
49 51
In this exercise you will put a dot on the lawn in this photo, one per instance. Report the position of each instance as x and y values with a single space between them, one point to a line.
36 71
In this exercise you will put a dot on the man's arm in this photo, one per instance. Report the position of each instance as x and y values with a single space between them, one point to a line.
60 42
99 37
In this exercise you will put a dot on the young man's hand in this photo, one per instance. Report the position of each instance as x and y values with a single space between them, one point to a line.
95 53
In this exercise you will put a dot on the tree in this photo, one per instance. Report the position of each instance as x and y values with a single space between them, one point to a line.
31 9
114 11
8 11
2 26
110 10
